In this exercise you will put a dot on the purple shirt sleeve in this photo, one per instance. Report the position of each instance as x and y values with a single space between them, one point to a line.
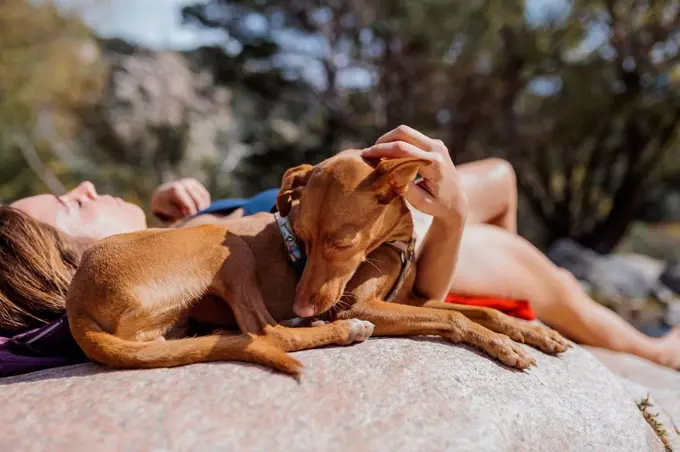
42 348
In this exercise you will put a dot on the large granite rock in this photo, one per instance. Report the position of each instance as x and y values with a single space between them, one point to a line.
643 379
633 285
160 111
671 275
613 277
385 394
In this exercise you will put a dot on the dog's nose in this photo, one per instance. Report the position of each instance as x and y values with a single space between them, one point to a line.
305 306
301 310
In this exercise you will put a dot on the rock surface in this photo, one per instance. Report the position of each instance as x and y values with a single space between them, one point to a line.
635 286
385 394
159 111
671 276
612 277
642 379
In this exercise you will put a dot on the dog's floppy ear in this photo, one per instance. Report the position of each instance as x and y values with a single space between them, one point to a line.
394 175
294 180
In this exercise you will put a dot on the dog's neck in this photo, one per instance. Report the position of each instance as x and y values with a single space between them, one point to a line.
294 252
403 229
401 239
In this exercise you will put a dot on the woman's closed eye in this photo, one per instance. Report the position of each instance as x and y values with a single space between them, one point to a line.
74 203
69 203
61 201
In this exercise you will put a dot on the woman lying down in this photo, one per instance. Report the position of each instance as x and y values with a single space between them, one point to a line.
466 226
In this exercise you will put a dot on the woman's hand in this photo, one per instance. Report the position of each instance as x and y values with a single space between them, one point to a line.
173 201
439 193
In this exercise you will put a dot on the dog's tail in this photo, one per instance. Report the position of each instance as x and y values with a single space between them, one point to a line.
110 350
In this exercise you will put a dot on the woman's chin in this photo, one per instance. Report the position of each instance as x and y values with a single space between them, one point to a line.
102 230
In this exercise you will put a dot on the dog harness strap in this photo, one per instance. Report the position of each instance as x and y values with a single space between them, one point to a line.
296 256
406 251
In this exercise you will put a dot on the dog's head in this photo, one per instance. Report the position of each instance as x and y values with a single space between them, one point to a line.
342 209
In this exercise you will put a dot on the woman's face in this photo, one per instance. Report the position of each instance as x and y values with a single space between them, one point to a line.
84 213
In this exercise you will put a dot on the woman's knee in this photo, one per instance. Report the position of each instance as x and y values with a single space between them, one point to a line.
489 177
503 170
491 186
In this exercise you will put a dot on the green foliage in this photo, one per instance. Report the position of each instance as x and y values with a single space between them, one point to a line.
48 65
652 420
584 101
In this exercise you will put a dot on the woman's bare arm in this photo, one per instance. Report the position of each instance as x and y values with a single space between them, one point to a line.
440 195
438 257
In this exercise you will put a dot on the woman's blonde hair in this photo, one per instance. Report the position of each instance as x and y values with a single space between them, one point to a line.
37 263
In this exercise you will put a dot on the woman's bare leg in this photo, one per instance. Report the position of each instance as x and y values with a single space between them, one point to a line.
494 262
491 189
559 299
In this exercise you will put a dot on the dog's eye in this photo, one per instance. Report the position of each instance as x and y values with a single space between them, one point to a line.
341 244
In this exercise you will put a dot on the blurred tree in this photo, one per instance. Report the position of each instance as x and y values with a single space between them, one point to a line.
581 96
48 68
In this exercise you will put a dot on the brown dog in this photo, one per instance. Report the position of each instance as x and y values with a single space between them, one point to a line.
133 291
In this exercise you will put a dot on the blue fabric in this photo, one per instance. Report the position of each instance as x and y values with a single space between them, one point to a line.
262 202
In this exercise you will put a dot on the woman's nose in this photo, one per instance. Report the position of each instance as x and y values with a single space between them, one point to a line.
85 190
89 190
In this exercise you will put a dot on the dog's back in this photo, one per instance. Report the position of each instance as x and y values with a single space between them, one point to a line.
133 288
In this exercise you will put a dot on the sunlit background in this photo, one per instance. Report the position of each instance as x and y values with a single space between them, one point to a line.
580 96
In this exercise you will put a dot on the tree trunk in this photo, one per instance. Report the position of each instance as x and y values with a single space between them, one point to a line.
627 204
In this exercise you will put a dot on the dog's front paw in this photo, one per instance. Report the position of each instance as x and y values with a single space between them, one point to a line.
497 346
542 337
547 339
510 352
355 330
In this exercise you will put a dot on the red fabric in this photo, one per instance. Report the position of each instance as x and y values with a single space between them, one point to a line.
515 308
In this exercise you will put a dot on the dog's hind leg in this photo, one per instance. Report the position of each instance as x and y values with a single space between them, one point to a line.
236 283
119 318
542 337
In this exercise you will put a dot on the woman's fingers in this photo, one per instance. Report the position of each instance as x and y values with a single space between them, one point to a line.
409 135
419 198
439 193
179 199
416 138
402 149
186 202
199 193
168 212
440 148
395 149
